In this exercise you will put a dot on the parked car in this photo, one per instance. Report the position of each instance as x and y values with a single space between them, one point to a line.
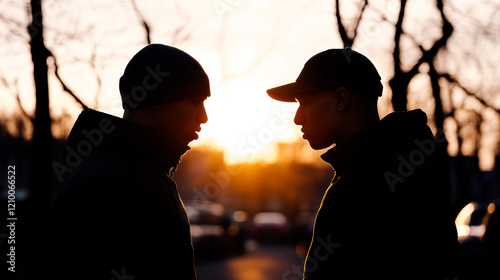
469 222
214 231
478 228
304 226
270 226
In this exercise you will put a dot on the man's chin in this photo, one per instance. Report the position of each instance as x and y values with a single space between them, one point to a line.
180 146
318 146
188 143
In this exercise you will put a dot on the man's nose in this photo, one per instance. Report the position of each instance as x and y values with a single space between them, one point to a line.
202 115
299 118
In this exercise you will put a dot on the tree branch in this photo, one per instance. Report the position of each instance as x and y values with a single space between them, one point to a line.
400 81
93 65
439 115
346 40
15 90
397 38
343 34
430 54
359 20
65 88
454 81
143 21
18 99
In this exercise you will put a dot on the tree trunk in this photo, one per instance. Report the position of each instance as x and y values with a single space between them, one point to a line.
41 182
399 86
399 82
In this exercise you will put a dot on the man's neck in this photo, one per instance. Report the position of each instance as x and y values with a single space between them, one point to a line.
360 123
338 155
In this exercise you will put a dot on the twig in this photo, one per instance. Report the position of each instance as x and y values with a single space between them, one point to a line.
452 80
65 88
359 20
143 22
97 77
16 94
343 34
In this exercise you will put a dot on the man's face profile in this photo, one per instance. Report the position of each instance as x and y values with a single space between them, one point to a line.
181 120
319 118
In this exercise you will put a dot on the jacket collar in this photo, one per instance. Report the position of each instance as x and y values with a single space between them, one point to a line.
156 149
396 130
342 158
159 149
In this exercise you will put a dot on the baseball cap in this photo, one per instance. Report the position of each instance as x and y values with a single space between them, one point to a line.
329 70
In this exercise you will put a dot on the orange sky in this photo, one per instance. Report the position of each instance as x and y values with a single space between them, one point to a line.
244 46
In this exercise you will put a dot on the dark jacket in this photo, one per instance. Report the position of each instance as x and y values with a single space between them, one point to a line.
118 214
387 213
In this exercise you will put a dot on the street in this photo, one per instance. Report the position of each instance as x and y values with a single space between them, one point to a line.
261 262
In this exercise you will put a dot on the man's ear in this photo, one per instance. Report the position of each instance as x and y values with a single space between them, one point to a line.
343 98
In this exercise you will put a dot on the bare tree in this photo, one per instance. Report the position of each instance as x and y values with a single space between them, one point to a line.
41 179
402 78
42 136
442 81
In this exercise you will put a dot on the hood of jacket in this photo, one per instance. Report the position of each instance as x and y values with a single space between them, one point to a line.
94 131
397 131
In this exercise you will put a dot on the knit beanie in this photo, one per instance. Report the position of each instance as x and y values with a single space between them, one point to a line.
159 74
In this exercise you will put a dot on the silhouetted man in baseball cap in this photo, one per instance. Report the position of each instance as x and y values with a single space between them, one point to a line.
386 213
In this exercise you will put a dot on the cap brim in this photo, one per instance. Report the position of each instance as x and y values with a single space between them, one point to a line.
289 92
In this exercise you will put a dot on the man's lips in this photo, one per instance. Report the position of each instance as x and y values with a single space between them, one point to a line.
304 133
195 135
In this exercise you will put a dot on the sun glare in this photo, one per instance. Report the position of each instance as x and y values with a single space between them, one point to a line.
245 123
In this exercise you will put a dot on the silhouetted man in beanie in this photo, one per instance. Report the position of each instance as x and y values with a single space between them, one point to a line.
386 213
118 214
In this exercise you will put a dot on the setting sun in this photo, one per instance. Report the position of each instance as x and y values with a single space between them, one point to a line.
246 123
